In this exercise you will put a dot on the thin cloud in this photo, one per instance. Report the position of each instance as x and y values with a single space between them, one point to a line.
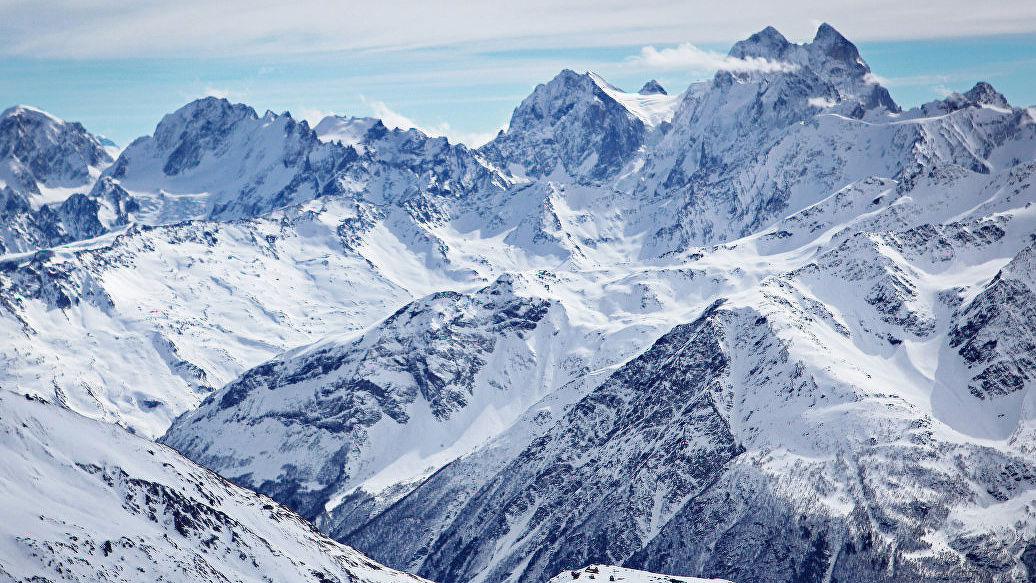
217 92
157 28
689 57
393 119
313 115
872 78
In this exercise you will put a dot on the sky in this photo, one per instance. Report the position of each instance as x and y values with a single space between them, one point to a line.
459 68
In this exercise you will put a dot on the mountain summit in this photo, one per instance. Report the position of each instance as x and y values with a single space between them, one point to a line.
829 59
652 87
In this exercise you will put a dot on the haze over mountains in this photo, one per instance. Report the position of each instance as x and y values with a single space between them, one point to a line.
769 328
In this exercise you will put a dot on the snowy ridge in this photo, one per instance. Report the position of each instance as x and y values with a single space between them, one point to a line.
652 105
88 502
611 573
46 168
430 383
212 158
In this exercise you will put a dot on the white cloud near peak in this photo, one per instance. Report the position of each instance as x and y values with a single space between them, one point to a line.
393 119
158 28
689 57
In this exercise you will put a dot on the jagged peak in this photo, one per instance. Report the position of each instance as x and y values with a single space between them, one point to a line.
984 93
827 44
834 45
567 74
827 34
829 56
768 43
212 108
653 87
981 94
54 152
208 113
27 115
349 130
30 111
560 88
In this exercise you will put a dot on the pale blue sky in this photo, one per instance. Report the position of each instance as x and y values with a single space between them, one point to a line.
118 71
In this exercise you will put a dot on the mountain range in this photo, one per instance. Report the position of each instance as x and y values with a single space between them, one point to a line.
771 328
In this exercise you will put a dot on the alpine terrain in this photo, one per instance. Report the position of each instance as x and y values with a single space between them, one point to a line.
770 328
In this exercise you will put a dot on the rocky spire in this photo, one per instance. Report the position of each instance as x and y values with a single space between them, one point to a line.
652 87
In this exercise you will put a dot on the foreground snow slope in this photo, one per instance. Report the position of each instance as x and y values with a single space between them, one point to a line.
86 501
611 573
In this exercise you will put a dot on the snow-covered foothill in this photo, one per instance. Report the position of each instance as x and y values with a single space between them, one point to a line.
86 501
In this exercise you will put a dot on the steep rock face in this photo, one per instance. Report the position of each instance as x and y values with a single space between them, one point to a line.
577 495
440 375
569 124
39 152
1006 304
992 353
46 167
88 502
214 159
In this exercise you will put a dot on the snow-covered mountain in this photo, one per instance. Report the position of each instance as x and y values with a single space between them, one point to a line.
86 501
575 126
772 328
45 158
47 171
431 382
215 159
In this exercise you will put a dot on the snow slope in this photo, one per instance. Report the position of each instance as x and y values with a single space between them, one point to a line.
430 383
86 501
611 573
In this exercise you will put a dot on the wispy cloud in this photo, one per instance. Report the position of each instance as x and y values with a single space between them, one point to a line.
872 78
313 115
216 92
157 28
690 57
393 119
